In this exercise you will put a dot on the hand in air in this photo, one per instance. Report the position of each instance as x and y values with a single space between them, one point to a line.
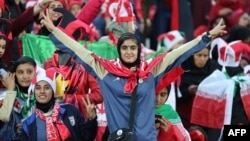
90 108
46 21
218 30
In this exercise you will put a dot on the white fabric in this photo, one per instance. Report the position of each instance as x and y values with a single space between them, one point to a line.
218 87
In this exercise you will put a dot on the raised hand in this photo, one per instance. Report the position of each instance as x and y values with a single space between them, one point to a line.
46 21
9 81
90 108
218 30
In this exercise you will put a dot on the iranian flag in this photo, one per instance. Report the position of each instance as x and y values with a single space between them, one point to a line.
176 130
41 48
212 106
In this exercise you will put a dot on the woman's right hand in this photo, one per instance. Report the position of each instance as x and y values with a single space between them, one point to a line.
46 21
218 30
9 82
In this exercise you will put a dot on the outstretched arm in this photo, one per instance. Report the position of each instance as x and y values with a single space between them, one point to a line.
179 55
66 44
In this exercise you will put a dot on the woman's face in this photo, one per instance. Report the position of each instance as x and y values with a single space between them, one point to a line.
54 15
2 47
161 97
24 74
129 51
43 92
201 58
244 20
75 9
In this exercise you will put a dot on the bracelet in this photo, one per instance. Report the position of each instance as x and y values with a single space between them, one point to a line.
40 5
209 35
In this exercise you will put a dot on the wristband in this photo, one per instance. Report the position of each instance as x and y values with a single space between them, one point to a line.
209 35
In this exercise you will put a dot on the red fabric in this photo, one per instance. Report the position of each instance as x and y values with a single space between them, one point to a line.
195 136
174 15
139 9
174 133
200 29
234 18
220 4
112 37
2 35
201 112
245 100
100 132
55 129
106 7
80 81
2 5
123 71
86 16
77 2
152 10
127 5
171 76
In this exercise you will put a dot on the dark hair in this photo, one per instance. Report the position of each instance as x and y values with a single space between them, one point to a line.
22 60
3 37
124 37
238 33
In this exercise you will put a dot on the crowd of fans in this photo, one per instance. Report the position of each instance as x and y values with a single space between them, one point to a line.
173 54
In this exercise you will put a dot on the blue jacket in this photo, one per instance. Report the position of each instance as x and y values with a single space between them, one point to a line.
78 127
117 103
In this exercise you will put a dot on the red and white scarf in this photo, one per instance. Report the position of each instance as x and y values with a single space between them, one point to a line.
57 131
142 72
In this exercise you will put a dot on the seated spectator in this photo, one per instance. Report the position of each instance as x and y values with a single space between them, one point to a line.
169 126
17 84
54 121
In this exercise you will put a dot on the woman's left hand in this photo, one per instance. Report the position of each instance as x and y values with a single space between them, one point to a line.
90 108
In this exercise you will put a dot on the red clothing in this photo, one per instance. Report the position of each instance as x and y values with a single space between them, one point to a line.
220 4
85 15
80 84
18 25
175 132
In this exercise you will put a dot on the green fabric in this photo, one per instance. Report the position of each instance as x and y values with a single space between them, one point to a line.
169 113
41 48
26 105
160 51
102 49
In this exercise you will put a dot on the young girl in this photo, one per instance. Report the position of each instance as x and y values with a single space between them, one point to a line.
20 106
119 77
54 121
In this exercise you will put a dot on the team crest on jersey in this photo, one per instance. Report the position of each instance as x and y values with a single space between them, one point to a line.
72 120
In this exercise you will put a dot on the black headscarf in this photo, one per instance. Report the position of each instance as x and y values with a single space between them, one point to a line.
123 38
